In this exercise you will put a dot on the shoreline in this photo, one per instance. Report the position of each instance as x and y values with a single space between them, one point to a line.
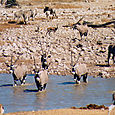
66 111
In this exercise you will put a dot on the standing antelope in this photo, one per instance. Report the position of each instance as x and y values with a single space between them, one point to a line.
18 73
18 15
82 28
25 15
41 78
111 50
50 13
51 29
79 70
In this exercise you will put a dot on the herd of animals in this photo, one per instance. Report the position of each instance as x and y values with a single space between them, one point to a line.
41 76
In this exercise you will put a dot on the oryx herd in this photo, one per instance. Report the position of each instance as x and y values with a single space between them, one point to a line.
78 70
25 15
41 76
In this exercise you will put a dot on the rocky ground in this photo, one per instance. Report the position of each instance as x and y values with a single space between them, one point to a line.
32 39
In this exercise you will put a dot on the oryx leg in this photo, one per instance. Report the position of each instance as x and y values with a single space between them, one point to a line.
23 81
15 79
113 58
38 86
15 83
109 54
77 79
85 79
44 86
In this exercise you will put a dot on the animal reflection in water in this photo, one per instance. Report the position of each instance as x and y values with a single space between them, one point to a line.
79 70
41 77
41 99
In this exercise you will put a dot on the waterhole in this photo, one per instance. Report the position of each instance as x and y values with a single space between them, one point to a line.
61 92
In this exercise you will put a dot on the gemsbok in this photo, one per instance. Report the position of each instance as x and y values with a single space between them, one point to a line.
82 28
18 73
50 13
41 77
25 15
111 50
79 70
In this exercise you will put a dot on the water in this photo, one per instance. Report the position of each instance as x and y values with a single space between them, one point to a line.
61 93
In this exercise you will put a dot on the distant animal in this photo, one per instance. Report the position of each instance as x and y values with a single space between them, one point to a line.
51 29
35 12
112 107
25 15
41 78
1 109
111 50
50 13
82 28
18 15
79 70
10 3
18 73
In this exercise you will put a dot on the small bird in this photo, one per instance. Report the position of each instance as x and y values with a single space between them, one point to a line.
112 107
1 109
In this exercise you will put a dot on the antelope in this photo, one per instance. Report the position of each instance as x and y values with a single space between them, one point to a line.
18 73
25 14
112 107
41 78
111 50
18 15
51 29
50 13
82 28
1 109
79 70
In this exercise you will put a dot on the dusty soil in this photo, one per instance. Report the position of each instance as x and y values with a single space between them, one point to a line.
63 112
90 109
